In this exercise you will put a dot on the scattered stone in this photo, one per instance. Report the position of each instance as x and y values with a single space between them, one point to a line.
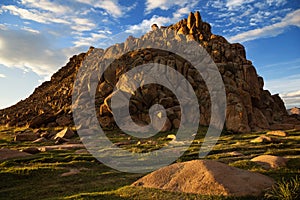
10 154
264 139
235 153
60 140
41 120
40 140
27 136
269 161
63 121
82 151
61 147
66 133
70 173
31 150
46 134
207 177
277 133
172 137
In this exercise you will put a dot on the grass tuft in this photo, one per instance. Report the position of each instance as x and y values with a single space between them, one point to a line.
285 189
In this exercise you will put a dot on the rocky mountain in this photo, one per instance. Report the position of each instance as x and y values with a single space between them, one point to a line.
294 111
249 106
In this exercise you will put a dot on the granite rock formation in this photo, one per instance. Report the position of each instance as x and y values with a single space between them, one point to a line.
249 106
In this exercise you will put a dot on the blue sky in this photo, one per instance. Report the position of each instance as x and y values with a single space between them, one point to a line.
37 37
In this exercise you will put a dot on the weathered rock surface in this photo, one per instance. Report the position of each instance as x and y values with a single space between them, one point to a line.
206 177
269 161
10 154
249 106
27 136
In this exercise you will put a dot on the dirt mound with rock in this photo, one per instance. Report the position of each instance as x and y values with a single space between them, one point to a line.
206 177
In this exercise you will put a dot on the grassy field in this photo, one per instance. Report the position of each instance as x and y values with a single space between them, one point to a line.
41 176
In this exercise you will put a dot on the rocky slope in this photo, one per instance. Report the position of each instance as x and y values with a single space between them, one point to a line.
249 106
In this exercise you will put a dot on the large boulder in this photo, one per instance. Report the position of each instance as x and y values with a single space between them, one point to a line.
207 177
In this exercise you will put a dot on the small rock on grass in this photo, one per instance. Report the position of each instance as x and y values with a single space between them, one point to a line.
269 161
31 150
71 172
277 133
265 139
40 140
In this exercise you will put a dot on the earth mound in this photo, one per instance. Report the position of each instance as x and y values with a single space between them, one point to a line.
206 177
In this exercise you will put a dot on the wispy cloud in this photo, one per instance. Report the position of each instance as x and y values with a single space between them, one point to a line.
33 15
288 88
291 19
46 5
27 50
2 76
25 28
163 4
93 39
292 99
292 94
231 4
112 7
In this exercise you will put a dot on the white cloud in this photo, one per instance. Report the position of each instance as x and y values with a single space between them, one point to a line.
145 25
287 87
82 24
3 27
46 5
30 30
233 4
291 19
163 4
276 2
33 15
2 76
110 6
29 51
92 39
292 94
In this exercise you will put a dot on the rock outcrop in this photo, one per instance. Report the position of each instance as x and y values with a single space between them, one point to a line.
294 111
249 106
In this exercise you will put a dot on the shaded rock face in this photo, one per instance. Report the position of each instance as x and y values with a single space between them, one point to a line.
206 177
249 106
